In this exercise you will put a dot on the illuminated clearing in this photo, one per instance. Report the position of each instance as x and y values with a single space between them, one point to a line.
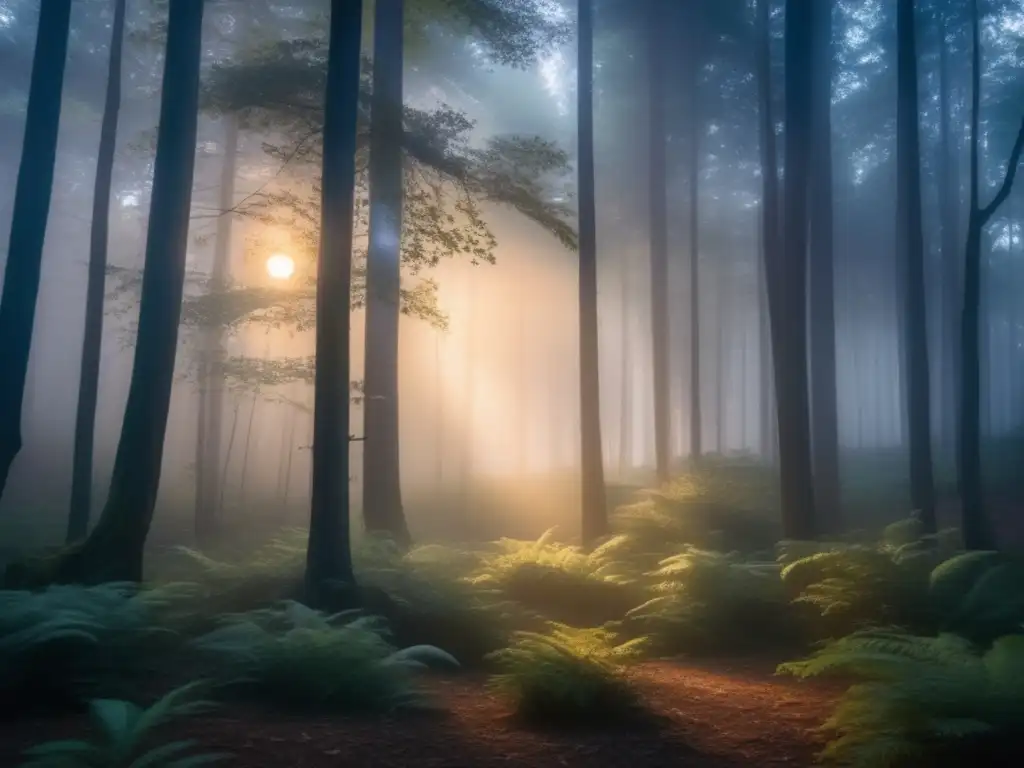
280 266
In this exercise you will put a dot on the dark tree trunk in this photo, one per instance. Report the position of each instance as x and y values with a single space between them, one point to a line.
211 364
114 549
659 239
824 395
910 251
594 522
949 220
329 556
30 214
92 342
790 282
975 525
382 491
770 244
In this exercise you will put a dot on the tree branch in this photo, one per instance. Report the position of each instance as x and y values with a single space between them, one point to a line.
1011 172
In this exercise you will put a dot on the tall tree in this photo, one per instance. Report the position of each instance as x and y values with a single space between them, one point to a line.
910 252
824 394
692 68
89 374
658 193
790 282
328 557
594 505
210 425
977 531
769 243
382 492
113 550
30 214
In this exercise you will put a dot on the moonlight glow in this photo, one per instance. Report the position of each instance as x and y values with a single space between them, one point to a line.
280 266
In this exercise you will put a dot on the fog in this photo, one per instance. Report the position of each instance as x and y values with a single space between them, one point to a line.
489 391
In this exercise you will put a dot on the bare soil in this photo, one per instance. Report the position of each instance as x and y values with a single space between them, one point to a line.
715 715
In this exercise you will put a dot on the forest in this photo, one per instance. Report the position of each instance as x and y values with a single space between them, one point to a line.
507 383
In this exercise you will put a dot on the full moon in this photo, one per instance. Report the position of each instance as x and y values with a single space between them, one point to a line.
280 266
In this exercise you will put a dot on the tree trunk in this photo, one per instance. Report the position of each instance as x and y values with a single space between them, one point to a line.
976 528
693 170
659 239
92 343
211 363
824 395
594 522
910 250
329 556
791 385
625 379
29 216
114 549
770 240
949 219
382 491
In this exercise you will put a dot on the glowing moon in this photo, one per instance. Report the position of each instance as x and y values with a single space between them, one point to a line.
280 266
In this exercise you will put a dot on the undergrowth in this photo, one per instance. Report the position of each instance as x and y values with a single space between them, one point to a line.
920 700
293 657
567 675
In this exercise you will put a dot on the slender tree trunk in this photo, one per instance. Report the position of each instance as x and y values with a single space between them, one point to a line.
949 220
245 451
824 395
977 530
211 363
594 506
658 234
910 250
114 549
328 556
766 405
232 434
721 383
30 213
626 380
382 489
92 343
791 381
693 170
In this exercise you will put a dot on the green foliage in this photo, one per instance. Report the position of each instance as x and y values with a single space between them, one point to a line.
298 658
64 644
567 675
710 601
723 505
561 581
920 697
121 729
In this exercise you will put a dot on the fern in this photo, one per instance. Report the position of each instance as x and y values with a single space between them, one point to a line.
567 675
918 695
298 658
713 601
121 728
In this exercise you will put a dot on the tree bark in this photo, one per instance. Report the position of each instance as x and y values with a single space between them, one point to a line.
693 169
29 216
382 490
92 342
594 523
791 381
824 395
328 554
910 250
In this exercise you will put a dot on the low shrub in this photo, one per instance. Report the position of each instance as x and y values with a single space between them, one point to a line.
713 602
121 729
293 657
920 700
567 676
66 644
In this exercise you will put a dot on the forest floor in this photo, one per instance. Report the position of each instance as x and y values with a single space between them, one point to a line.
707 715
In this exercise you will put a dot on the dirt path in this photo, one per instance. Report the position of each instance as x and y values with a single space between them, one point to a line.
713 716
